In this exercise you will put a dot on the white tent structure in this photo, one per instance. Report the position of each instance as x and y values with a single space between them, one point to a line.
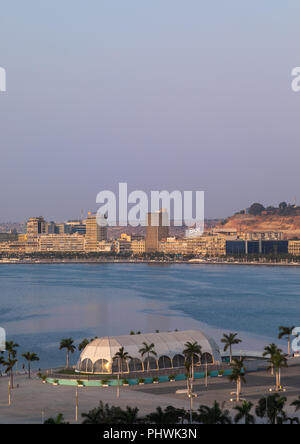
98 356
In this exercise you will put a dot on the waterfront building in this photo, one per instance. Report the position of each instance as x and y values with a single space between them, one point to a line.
17 247
261 235
61 243
208 245
138 246
248 235
156 230
257 247
98 355
171 245
122 246
94 233
294 247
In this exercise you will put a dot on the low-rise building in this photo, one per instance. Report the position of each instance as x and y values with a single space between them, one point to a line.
61 242
294 247
105 247
122 246
171 245
138 246
208 245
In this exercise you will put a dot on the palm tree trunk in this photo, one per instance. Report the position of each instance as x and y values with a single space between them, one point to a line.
238 390
193 368
68 358
28 370
230 354
289 345
11 379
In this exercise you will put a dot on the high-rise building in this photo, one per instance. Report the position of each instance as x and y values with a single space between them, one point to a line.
35 227
95 233
156 230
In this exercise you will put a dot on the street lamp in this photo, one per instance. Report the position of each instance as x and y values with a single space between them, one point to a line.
76 405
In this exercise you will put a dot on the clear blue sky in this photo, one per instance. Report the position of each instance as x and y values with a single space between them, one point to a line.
162 94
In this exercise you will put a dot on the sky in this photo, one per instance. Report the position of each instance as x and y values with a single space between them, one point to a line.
164 95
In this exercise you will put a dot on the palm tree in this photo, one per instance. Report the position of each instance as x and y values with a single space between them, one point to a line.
272 406
104 414
238 375
229 341
58 420
244 413
98 415
121 356
11 349
286 332
160 416
213 415
296 404
83 344
271 350
9 364
191 352
148 350
293 420
278 361
69 345
188 365
30 357
130 415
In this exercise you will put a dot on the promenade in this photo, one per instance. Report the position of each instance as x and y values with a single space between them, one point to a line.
33 401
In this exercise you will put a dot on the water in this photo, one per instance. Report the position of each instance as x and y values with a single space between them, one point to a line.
41 304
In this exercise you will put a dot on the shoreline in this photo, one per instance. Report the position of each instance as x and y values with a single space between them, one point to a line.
146 262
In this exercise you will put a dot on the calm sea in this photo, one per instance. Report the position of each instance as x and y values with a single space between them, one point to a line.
41 304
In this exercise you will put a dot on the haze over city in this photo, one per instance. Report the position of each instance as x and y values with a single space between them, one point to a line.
157 94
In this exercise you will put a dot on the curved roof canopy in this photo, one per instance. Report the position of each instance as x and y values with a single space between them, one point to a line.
165 344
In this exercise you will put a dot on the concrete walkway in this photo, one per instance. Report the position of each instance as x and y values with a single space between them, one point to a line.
33 401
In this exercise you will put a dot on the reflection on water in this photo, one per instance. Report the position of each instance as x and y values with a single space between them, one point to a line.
40 304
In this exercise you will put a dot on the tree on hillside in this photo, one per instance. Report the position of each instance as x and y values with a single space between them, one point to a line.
283 205
256 209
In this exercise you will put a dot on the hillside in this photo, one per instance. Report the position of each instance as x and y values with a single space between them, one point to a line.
290 225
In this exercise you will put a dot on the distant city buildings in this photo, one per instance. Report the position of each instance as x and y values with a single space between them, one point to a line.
87 236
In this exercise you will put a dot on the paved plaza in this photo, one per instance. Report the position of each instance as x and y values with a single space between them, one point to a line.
32 401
